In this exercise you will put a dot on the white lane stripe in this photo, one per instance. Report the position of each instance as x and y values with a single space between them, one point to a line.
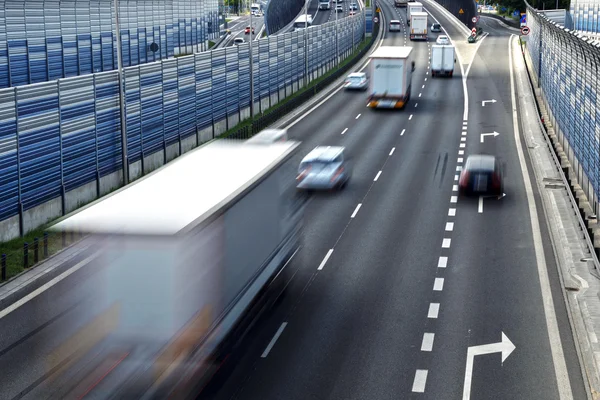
442 262
453 199
409 118
460 160
344 131
438 285
427 343
420 381
47 285
423 87
455 188
392 151
272 342
358 116
463 139
377 176
425 79
456 177
325 259
449 226
356 210
402 133
434 310
446 243
461 152
465 122
419 96
463 145
416 104
452 212
458 168
464 133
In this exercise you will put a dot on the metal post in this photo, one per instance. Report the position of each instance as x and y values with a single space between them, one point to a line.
36 250
45 244
3 267
306 43
25 255
121 97
337 46
251 72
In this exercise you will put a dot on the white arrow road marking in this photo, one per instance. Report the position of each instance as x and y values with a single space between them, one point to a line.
483 135
487 101
505 347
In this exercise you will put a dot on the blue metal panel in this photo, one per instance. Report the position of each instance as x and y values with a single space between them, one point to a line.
78 130
186 82
108 43
151 107
39 143
232 71
143 45
171 101
263 68
133 113
4 77
36 45
84 37
9 184
244 75
204 89
95 34
108 123
280 61
219 88
288 58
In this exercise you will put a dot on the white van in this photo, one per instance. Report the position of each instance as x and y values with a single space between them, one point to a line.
268 136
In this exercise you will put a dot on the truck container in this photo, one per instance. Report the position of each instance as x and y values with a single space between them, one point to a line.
186 259
442 60
412 7
324 4
418 25
391 70
400 3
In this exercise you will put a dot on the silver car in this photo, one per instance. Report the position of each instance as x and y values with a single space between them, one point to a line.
324 168
443 40
356 81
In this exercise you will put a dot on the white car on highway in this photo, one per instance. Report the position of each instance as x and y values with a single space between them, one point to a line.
442 39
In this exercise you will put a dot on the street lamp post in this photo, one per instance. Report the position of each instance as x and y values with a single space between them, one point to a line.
306 43
121 97
251 70
337 47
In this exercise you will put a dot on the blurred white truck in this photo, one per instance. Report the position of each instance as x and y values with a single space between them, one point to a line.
391 70
411 8
324 4
443 59
418 25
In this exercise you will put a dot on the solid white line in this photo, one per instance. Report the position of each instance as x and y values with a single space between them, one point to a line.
402 133
449 226
463 145
455 188
480 206
358 116
427 343
442 262
434 310
377 176
461 152
274 339
446 243
344 131
460 160
409 118
47 285
420 381
392 151
438 285
452 212
356 210
477 48
325 259
453 199
558 357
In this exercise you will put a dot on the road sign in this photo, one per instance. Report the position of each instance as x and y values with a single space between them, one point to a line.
525 30
474 19
523 20
474 30
461 11
378 9
375 20
473 34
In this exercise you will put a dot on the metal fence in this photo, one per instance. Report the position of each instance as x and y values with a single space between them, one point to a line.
60 141
566 67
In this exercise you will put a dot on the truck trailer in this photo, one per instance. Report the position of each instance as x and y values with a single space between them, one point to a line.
324 4
411 8
186 259
391 70
400 3
442 60
418 25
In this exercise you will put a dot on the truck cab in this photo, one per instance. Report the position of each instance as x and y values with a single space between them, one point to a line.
324 4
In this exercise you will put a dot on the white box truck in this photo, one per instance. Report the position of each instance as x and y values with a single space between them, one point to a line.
443 59
400 3
186 259
391 70
411 8
418 25
324 4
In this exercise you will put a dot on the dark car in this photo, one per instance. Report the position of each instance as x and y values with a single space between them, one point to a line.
436 27
481 176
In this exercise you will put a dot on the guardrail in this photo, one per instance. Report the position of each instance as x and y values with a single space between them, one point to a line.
61 142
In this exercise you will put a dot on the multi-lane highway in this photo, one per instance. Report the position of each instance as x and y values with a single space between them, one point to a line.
397 278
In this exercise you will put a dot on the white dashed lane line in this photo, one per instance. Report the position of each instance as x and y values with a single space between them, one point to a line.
392 151
409 118
402 133
449 226
446 243
461 152
438 285
356 210
455 188
453 199
325 259
452 212
377 176
358 116
272 342
442 262
434 310
427 344
344 131
420 381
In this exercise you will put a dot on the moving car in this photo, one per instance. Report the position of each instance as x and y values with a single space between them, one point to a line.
356 81
481 176
394 25
436 27
351 13
339 1
238 40
324 168
247 30
354 7
339 9
442 39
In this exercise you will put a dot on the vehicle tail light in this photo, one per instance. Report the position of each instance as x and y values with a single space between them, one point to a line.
464 179
303 174
338 172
